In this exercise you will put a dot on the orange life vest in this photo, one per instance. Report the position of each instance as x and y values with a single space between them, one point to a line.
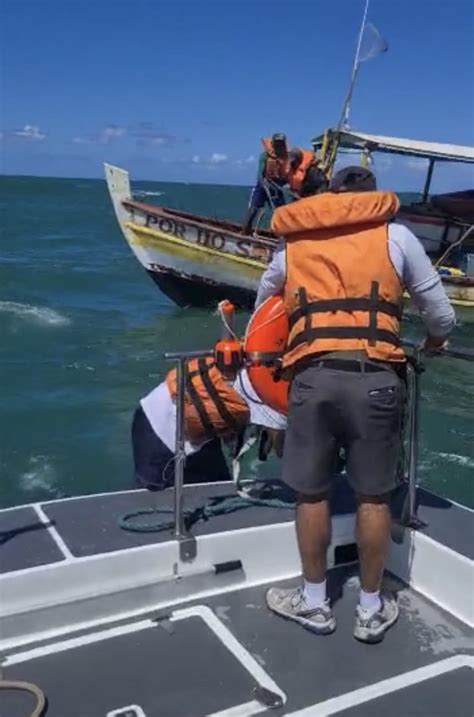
296 176
211 407
342 292
276 169
264 344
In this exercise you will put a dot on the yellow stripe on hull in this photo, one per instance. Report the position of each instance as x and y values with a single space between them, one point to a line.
153 238
251 268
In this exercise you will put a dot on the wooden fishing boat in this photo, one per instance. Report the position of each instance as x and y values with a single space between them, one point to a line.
197 261
193 259
441 222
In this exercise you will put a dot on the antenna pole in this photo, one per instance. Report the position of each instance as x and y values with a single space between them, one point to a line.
344 119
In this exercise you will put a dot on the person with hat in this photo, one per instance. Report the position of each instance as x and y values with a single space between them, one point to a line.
273 169
342 267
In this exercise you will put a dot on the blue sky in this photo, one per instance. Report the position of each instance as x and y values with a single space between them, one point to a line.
184 89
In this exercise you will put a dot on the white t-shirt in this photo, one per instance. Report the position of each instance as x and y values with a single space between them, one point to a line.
160 410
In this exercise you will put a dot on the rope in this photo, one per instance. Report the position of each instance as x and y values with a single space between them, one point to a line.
223 318
265 323
453 246
263 495
40 707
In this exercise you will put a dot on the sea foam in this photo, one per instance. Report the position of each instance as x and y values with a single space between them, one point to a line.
38 314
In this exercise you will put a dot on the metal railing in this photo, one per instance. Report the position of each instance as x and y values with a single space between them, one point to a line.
181 357
414 371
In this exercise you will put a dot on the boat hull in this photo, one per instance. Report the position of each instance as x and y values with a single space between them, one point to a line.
186 290
198 261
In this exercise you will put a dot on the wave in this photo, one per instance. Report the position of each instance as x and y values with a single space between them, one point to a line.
464 461
40 475
143 193
40 314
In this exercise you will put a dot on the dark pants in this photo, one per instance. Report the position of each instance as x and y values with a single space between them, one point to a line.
330 409
154 462
260 196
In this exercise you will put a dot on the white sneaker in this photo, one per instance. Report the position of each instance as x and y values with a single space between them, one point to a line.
291 604
371 628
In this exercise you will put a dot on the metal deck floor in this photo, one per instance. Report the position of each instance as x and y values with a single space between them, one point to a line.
184 666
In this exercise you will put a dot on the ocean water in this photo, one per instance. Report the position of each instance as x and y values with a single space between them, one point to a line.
83 331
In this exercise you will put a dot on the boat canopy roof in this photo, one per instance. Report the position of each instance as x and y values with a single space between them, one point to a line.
351 139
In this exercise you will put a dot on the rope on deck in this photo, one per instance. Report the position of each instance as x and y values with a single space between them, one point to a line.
19 686
272 494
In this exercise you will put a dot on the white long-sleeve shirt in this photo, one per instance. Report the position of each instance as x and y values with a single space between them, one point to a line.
413 267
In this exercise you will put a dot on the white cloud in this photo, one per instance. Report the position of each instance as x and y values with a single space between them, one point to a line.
242 162
417 164
218 158
106 135
30 131
111 132
83 140
196 159
156 140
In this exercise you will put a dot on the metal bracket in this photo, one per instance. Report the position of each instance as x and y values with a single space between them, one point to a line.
187 548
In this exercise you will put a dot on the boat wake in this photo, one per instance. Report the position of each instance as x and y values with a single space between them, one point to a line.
39 314
40 475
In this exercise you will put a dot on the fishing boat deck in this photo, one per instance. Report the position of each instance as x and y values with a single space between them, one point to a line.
210 646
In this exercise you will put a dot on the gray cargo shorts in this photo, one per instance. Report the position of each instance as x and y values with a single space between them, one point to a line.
330 409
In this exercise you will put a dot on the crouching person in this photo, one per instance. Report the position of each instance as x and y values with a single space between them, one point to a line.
217 407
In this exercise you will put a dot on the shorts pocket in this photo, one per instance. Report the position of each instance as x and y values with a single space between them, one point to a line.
300 392
385 411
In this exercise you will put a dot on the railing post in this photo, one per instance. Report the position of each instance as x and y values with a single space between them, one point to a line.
180 452
186 541
409 515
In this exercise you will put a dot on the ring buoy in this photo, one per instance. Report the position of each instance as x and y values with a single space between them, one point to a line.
265 340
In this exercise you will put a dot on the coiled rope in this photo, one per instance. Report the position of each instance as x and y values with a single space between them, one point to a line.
19 686
263 494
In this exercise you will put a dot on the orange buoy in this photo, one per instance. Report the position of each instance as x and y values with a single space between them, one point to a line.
264 343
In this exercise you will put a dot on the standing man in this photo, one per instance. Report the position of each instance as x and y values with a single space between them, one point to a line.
273 168
342 269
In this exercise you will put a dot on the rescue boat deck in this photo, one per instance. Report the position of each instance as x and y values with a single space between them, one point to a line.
110 623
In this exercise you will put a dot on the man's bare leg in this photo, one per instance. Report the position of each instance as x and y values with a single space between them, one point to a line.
313 531
373 524
375 613
309 606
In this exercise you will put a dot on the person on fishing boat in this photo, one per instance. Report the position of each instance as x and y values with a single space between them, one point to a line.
273 169
219 405
342 267
305 177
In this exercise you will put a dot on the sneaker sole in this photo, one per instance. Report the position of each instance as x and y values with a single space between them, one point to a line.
307 624
374 638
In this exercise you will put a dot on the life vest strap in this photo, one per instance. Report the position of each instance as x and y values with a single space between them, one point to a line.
344 332
362 304
197 402
222 409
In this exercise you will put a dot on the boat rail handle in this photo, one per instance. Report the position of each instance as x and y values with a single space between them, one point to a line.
415 369
181 357
413 381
